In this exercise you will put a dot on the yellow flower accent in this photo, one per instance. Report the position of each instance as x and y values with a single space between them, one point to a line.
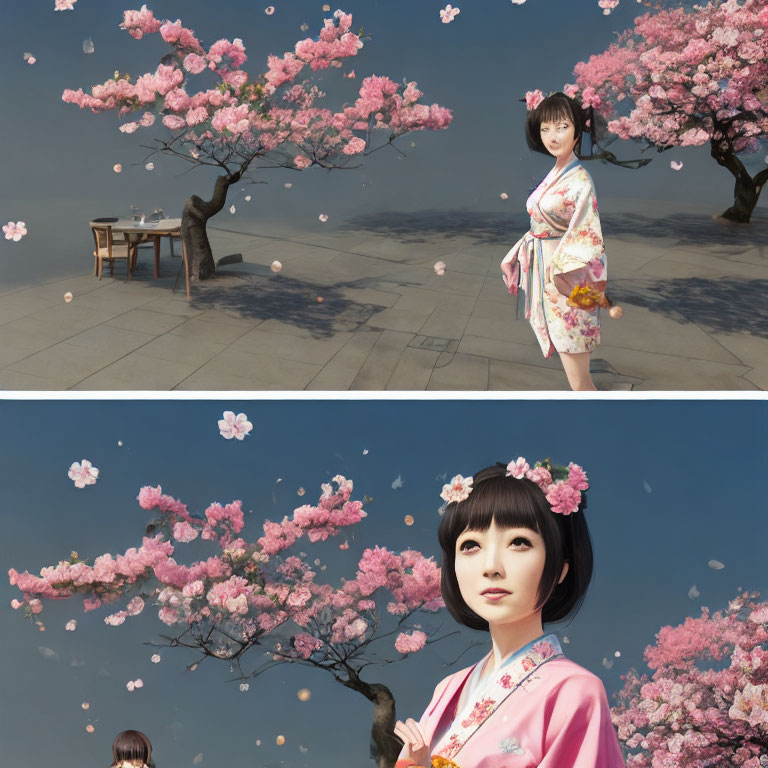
442 762
586 297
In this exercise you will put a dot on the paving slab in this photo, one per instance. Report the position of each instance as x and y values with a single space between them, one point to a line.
694 295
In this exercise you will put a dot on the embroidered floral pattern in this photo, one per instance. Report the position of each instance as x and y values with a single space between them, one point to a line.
516 673
480 711
510 747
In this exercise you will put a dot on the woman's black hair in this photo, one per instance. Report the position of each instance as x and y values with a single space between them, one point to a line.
519 503
553 108
132 746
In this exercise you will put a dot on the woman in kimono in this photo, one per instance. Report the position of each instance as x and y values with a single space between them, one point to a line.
516 554
563 250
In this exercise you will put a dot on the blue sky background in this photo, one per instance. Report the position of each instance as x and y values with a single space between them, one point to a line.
674 484
57 167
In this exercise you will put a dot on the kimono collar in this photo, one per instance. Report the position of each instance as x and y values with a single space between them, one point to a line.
568 168
488 697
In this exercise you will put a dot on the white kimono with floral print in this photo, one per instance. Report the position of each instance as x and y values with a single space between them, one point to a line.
565 234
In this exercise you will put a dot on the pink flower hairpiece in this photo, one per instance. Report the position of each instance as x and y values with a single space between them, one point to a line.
561 485
534 98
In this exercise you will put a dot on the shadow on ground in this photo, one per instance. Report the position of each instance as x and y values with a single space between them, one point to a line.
499 228
285 299
726 305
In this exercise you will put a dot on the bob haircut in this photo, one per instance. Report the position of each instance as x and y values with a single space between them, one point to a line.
553 108
519 503
133 746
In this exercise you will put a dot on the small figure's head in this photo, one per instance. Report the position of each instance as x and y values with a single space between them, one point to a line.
505 536
131 747
555 127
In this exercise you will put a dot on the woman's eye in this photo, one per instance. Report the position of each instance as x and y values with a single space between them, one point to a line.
466 545
521 541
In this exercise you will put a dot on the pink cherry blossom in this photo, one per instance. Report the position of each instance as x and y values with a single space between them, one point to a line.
234 426
65 5
563 497
439 268
448 14
15 231
83 473
518 468
457 490
577 477
540 476
410 642
71 625
533 99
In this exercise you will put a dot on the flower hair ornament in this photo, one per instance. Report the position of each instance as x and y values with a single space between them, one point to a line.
561 485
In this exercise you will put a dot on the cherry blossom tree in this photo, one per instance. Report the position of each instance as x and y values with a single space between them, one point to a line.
706 703
244 120
689 77
249 594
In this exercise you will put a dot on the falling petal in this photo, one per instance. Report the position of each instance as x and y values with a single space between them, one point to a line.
345 545
40 626
326 7
247 198
413 144
566 640
441 510
27 55
68 296
71 625
303 749
244 687
280 740
85 705
276 266
323 217
155 659
317 561
30 59
89 728
365 451
617 654
279 480
269 10
304 27
408 519
397 483
675 165
287 185
130 685
150 166
48 653
441 477
320 299
301 492
607 663
232 209
323 567
716 565
117 168
647 487
197 759
693 593
139 683
88 45
439 267
258 742
119 443
192 667
504 196
304 694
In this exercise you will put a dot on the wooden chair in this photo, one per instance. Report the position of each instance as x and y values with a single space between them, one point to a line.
185 259
107 248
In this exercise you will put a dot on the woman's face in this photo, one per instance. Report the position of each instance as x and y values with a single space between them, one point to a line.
558 137
509 560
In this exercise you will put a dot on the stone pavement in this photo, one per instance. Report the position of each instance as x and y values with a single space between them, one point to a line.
694 293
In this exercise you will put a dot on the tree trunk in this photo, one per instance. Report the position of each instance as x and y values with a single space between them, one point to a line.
746 190
193 222
385 746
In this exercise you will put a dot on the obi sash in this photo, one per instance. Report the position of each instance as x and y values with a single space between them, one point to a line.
489 696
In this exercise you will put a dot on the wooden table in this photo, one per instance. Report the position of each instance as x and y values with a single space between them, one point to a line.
155 231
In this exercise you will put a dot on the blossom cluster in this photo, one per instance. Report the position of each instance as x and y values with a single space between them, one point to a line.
249 112
691 77
707 700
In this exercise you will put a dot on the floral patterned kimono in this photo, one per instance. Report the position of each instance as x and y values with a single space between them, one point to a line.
565 233
538 709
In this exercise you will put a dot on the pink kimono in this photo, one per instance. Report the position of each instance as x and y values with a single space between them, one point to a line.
539 709
565 234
